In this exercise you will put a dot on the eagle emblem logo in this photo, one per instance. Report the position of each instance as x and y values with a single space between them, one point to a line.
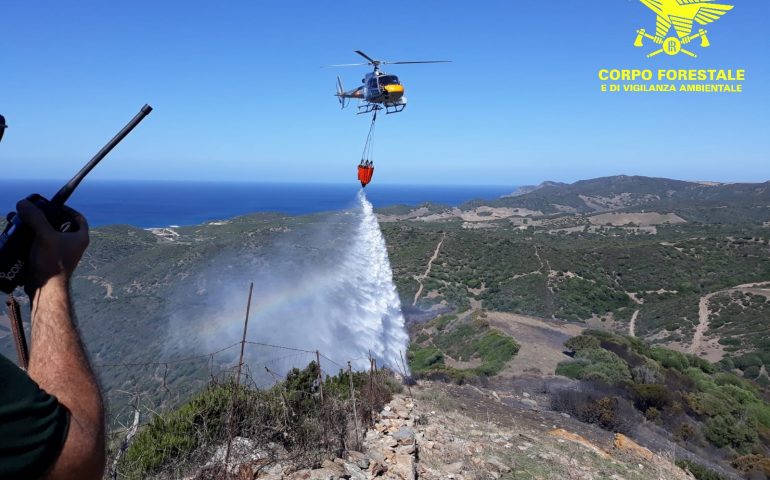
680 14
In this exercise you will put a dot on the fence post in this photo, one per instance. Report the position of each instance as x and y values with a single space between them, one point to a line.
320 375
237 382
406 380
353 396
371 377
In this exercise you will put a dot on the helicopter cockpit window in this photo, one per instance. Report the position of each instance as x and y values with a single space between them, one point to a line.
389 80
372 83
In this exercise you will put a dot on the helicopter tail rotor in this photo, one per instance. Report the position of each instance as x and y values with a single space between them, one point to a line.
341 93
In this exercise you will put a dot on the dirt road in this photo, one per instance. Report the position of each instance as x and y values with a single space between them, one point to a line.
427 271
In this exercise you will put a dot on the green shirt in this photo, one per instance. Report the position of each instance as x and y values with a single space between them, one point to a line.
33 425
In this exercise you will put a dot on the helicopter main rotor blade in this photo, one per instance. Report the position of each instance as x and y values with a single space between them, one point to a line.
347 65
371 60
424 61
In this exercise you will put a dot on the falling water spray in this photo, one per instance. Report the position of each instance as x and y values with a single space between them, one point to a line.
379 313
324 285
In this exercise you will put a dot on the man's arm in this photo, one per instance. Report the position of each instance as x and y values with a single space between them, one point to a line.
58 362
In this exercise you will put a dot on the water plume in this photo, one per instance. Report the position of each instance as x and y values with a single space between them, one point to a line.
326 284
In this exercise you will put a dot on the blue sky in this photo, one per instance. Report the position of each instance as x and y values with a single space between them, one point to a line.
239 93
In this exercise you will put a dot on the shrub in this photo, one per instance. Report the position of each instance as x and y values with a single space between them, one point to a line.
574 370
751 372
752 463
726 430
729 378
622 350
711 403
638 345
760 411
608 411
749 360
444 320
422 359
495 349
582 342
651 396
704 365
605 363
726 364
176 435
686 431
646 374
600 334
652 414
699 471
701 380
738 394
670 359
676 381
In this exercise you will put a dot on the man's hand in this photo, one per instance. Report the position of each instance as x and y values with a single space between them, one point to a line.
58 362
53 253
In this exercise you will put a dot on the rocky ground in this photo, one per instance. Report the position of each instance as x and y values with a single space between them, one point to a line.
435 435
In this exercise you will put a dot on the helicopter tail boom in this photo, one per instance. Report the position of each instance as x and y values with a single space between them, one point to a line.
344 97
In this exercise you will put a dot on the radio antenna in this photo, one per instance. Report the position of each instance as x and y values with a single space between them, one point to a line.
64 193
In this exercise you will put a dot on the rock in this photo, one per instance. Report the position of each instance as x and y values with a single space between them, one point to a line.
264 476
525 394
323 474
529 402
334 466
404 467
498 464
405 449
242 450
404 436
377 468
272 471
456 467
359 459
376 456
353 471
299 475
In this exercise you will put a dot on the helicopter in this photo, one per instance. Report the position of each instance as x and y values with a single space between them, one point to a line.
379 90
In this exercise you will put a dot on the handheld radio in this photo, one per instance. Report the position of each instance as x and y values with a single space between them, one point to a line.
16 239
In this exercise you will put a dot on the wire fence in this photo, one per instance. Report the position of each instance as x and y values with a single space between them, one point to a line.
153 379
282 400
304 401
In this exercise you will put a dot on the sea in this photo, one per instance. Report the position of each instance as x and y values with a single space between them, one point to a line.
148 204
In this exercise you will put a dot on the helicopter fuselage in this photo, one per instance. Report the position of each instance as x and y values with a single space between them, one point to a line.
380 87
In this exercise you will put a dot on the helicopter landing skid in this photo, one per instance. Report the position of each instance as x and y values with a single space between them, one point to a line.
373 107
